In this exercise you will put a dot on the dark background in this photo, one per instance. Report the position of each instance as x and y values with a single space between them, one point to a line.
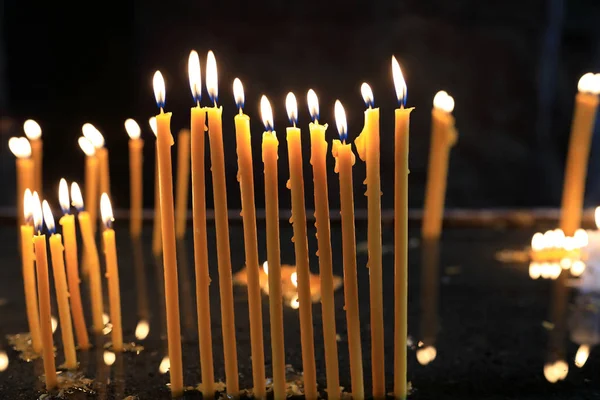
512 67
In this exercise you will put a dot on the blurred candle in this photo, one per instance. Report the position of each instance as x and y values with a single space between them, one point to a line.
33 131
584 118
183 179
94 136
156 232
136 161
21 148
318 160
91 182
301 247
165 173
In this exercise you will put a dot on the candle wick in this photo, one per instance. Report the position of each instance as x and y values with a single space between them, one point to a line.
162 111
197 103
241 111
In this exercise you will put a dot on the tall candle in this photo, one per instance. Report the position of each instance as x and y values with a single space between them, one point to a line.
443 137
198 126
86 226
21 148
246 179
91 183
215 135
33 131
94 136
70 242
165 173
156 232
136 179
584 118
270 156
183 179
318 158
368 148
41 260
344 160
301 247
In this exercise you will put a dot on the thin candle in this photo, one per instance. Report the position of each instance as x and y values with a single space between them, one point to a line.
91 182
33 131
94 135
136 161
183 182
21 148
156 232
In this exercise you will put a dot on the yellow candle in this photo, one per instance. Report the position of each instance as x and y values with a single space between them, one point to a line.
27 258
70 242
164 143
246 179
91 184
198 126
301 248
112 272
33 131
94 136
41 260
215 135
156 232
318 158
136 160
443 137
21 148
344 160
62 291
584 117
270 146
183 179
90 250
368 148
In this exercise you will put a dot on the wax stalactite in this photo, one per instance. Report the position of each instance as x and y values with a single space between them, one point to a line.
33 131
136 161
21 148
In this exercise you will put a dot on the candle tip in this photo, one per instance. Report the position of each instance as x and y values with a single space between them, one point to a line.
92 133
238 93
158 83
291 106
399 83
106 211
28 206
48 217
212 80
86 146
20 147
367 95
152 123
132 128
38 216
340 120
313 104
195 76
267 113
443 101
589 83
63 196
32 129
76 197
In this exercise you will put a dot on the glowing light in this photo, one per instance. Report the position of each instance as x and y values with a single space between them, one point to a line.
54 323
109 357
291 106
212 79
426 355
267 113
537 242
3 361
195 76
48 217
549 239
313 104
132 128
559 238
87 146
597 217
238 93
76 197
367 95
569 244
27 205
340 120
32 129
165 365
294 279
555 270
266 267
535 270
152 123
556 371
20 147
577 268
142 329
565 263
105 318
106 211
589 83
583 352
160 92
36 209
295 302
93 135
443 101
399 83
63 196
581 238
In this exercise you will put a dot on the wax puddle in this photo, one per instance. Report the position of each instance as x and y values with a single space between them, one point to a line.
21 342
70 382
130 347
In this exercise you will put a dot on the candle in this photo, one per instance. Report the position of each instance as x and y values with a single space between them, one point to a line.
87 234
215 135
318 157
112 272
21 148
246 179
136 160
62 291
443 137
400 234
27 258
301 248
70 242
163 144
368 148
94 136
584 117
344 160
183 179
33 131
41 260
91 183
197 125
270 156
156 232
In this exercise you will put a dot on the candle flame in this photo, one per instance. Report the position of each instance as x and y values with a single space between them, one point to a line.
48 217
27 205
340 120
93 135
32 129
559 238
583 352
195 76
266 267
63 196
212 80
142 329
577 268
556 371
294 279
549 239
132 128
165 365
313 105
581 238
87 146
238 93
399 82
597 217
36 208
3 361
538 242
565 263
160 93
76 197
54 323
267 113
426 355
20 147
106 211
589 83
534 270
291 106
443 101
105 318
295 302
152 123
367 95
109 357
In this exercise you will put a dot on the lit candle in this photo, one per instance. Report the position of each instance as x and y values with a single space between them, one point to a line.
91 183
33 131
21 148
94 136
156 232
165 173
70 242
86 226
112 272
318 158
27 259
344 160
62 291
368 148
443 137
584 117
183 179
301 247
136 160
41 260
270 156
198 126
246 179
215 135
